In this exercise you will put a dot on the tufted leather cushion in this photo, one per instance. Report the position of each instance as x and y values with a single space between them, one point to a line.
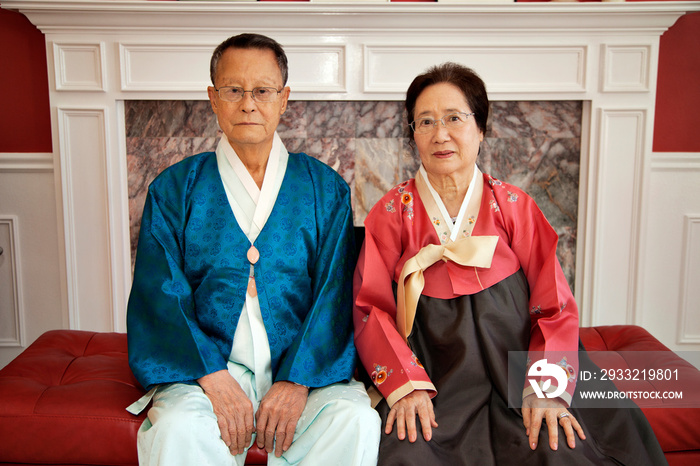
63 400
674 422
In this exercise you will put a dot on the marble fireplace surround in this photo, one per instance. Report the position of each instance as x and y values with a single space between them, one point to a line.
102 54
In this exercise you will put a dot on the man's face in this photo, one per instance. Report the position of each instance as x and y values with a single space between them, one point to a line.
249 125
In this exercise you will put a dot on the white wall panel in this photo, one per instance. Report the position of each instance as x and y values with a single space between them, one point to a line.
11 309
626 68
83 159
171 67
28 201
504 69
79 67
317 68
670 285
689 319
617 179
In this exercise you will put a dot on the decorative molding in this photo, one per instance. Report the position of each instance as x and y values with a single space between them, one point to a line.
225 18
11 258
689 332
620 155
181 67
83 148
26 162
318 68
675 161
543 68
79 66
626 68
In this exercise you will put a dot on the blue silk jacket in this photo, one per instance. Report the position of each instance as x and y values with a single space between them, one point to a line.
191 274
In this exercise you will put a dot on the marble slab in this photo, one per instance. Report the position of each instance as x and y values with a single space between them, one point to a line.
533 145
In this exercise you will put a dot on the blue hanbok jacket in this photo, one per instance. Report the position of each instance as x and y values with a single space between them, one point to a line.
191 274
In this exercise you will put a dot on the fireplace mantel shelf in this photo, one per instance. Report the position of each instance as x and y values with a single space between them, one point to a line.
192 16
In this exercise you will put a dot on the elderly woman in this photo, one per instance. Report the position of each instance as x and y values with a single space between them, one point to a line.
457 270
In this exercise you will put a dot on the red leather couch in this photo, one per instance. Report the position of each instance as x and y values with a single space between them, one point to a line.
62 400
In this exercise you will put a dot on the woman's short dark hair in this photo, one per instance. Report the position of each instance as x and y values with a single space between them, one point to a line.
249 41
465 79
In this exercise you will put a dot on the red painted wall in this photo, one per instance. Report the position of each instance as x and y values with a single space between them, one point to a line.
677 118
25 124
25 119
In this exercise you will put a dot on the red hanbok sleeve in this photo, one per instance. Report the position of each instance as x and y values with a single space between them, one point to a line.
393 367
553 310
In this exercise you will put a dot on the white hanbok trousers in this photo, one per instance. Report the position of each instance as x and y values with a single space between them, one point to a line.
337 427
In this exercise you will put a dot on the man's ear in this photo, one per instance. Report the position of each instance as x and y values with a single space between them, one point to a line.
211 92
285 99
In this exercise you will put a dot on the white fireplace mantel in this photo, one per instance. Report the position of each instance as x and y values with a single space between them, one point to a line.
101 53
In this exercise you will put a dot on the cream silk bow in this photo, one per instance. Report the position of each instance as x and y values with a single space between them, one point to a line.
474 251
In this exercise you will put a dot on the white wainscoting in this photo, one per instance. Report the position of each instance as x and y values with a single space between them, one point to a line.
31 296
669 305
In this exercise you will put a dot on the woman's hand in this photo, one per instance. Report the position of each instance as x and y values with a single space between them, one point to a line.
404 413
554 412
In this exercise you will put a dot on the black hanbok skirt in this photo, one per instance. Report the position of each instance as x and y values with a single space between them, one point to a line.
463 343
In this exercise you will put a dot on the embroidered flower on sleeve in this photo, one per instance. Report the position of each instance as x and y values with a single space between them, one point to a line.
536 310
494 205
415 361
570 371
562 306
494 182
407 201
380 374
512 197
390 206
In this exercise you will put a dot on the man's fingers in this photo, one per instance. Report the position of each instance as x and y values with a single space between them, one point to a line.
269 440
223 428
283 440
261 425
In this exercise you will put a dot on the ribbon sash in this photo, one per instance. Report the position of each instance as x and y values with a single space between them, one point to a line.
469 251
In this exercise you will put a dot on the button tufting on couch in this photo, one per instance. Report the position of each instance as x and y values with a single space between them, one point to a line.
62 401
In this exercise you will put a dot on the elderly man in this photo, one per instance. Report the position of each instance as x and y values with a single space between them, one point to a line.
239 319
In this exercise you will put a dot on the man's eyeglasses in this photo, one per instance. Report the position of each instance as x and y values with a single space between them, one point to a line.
259 94
453 120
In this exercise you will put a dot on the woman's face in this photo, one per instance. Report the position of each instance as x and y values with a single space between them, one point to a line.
446 151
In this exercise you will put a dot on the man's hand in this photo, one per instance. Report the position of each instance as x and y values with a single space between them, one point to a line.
277 416
233 409
404 411
551 409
